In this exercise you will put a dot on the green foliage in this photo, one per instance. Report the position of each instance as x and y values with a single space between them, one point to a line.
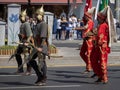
52 46
7 47
14 47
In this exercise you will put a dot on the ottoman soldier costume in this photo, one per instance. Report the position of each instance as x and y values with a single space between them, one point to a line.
24 36
41 49
102 49
87 45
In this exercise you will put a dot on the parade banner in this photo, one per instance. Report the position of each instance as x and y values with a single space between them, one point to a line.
88 5
103 4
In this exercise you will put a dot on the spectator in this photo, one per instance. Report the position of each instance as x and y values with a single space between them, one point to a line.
74 23
63 27
54 26
70 27
58 32
79 33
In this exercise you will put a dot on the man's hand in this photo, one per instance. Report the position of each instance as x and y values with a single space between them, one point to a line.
39 49
26 44
73 28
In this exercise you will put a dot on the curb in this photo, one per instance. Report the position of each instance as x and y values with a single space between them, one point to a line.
77 65
52 55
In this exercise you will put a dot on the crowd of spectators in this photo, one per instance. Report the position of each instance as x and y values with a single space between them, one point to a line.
63 28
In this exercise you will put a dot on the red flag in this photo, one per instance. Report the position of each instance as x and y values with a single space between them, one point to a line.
88 5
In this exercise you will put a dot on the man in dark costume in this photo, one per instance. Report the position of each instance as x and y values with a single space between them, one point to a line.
24 36
40 50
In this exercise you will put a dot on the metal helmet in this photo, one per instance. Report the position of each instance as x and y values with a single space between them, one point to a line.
40 11
23 13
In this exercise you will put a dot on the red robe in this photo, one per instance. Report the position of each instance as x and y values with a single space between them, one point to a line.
87 46
100 52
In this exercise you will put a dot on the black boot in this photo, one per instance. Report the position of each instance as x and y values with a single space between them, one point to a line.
98 80
19 62
44 79
94 75
33 63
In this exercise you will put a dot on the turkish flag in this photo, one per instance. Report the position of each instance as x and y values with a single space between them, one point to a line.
87 5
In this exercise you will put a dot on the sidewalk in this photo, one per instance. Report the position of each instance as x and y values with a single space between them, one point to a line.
68 56
71 55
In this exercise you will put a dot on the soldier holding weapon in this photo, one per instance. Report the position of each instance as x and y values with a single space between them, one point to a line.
40 50
25 35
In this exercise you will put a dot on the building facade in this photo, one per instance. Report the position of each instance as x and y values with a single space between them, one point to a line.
54 6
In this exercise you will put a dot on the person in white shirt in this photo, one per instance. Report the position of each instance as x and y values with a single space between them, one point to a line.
58 33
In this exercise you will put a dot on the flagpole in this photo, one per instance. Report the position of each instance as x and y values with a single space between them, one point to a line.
68 1
97 9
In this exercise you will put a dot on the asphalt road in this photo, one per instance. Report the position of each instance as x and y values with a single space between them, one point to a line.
59 78
62 78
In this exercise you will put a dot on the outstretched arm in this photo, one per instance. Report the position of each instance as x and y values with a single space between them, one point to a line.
81 28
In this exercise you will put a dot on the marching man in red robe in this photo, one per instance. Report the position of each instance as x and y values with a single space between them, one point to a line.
100 52
87 45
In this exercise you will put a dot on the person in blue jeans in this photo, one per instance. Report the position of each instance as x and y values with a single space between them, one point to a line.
79 33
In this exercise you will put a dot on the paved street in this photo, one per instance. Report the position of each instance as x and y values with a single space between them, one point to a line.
59 78
64 71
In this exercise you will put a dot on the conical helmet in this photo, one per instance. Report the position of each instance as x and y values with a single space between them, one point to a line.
103 14
23 13
104 11
91 10
90 13
40 11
